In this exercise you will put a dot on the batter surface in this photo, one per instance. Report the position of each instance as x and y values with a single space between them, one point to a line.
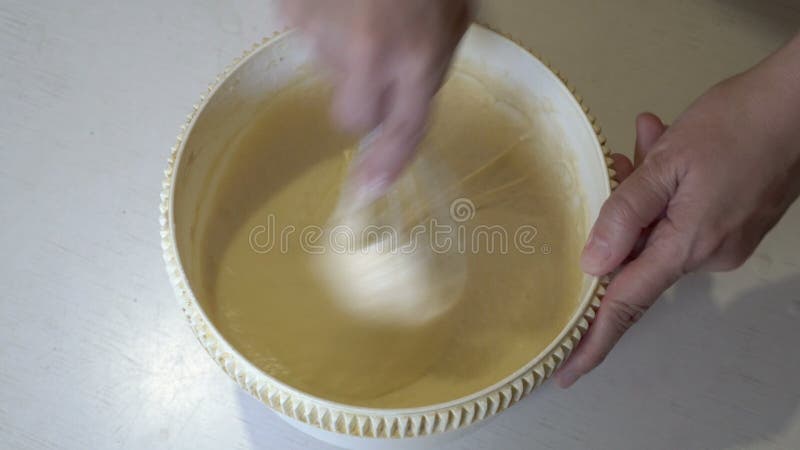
288 166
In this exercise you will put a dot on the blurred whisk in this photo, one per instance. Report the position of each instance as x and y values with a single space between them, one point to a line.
395 259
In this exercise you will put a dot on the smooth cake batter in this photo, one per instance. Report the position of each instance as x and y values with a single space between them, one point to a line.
288 165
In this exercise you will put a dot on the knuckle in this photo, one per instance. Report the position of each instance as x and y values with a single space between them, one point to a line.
661 155
666 152
622 211
657 175
593 360
625 315
659 172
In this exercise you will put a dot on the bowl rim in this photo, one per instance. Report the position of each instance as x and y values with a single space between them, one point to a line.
355 420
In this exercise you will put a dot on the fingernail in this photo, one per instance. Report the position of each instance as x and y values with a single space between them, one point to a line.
567 378
595 255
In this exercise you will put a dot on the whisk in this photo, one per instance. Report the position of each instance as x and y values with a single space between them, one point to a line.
395 259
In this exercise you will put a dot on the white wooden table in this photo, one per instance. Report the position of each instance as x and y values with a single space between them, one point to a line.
95 355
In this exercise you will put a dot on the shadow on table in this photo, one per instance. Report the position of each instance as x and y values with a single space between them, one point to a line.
732 379
691 375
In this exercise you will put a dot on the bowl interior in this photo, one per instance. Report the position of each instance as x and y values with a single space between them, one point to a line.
262 163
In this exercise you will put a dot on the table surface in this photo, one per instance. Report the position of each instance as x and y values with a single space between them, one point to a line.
94 352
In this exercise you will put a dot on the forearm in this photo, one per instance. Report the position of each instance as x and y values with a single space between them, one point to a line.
776 109
787 62
776 81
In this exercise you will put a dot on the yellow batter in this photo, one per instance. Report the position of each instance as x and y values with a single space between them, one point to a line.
286 172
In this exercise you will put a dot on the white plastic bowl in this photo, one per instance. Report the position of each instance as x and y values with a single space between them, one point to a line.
239 92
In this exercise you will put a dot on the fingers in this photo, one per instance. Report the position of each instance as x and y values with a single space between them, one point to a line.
360 101
396 144
627 298
622 229
633 206
388 61
649 129
622 166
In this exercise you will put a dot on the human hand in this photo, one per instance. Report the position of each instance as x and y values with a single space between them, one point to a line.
389 59
700 197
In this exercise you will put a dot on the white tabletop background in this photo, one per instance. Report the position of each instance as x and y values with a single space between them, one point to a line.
94 353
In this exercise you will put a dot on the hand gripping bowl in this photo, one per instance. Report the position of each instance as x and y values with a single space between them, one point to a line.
359 409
